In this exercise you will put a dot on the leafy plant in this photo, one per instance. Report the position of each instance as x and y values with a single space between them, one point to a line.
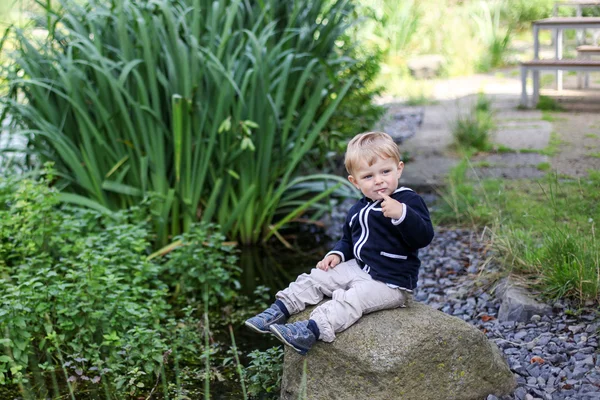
523 12
546 103
202 259
85 308
399 23
75 284
473 130
264 371
494 35
211 111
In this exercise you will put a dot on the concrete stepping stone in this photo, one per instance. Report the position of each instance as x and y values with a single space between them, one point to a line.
529 135
508 166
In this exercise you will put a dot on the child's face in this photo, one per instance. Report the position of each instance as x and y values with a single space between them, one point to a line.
381 177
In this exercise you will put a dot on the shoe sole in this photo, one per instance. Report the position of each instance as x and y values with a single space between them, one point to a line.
255 329
278 335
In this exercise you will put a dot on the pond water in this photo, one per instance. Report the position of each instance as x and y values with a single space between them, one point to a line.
276 267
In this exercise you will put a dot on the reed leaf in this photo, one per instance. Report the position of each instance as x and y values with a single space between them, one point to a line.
130 99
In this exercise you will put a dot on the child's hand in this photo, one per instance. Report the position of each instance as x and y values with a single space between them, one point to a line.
329 262
391 208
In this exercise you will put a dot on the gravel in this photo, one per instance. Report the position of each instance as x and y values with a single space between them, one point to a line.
552 357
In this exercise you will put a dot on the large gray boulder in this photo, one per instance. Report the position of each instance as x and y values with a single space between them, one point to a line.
407 353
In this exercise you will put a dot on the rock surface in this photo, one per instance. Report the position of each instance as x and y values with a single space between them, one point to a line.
410 353
517 304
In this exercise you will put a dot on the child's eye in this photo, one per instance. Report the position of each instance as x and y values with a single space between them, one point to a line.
367 176
387 171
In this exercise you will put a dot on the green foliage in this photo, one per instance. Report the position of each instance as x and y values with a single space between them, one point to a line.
357 112
461 202
211 106
473 131
264 372
483 104
493 33
399 22
75 284
85 307
523 12
203 259
544 166
546 103
544 229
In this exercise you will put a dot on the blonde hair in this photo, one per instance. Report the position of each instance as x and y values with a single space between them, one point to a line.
370 146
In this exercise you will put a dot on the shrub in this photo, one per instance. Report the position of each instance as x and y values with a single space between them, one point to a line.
264 371
75 285
473 131
82 299
212 106
493 32
523 12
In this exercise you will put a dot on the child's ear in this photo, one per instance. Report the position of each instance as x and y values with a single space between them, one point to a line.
353 181
400 166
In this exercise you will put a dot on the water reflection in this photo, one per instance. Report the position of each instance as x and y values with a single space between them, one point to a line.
275 267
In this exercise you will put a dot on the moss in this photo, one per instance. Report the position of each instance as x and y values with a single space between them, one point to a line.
544 166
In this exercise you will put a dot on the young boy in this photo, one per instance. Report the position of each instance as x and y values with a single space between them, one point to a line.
373 267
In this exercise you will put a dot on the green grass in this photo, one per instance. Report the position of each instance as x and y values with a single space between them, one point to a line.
482 164
473 130
501 149
595 155
546 103
591 136
543 229
550 117
543 166
529 151
553 146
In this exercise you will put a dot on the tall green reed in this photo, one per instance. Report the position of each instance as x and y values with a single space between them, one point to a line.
207 107
493 32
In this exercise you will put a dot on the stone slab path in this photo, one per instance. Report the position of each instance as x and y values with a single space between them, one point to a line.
523 135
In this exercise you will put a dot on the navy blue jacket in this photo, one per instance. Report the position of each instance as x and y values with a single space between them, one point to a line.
385 248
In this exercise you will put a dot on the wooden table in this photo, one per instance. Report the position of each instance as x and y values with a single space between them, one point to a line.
559 24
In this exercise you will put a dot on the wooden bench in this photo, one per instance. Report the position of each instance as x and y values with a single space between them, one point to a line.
586 52
550 65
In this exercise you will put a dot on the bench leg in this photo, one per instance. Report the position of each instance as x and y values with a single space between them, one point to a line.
586 83
523 86
580 74
536 87
559 56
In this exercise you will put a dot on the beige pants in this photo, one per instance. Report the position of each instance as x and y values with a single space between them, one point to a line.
353 293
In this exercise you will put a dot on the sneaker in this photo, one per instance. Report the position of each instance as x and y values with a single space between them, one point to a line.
261 322
296 335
